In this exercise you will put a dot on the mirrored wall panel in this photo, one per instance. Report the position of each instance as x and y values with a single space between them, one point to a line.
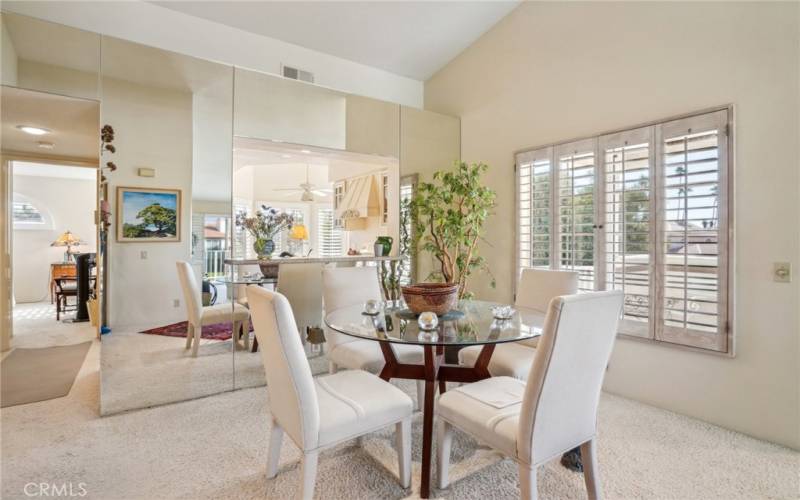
38 55
430 142
173 335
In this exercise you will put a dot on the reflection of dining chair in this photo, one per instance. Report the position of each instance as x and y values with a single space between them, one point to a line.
318 413
301 284
349 286
556 410
64 288
536 288
199 315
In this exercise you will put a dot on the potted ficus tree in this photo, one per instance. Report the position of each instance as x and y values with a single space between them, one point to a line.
448 216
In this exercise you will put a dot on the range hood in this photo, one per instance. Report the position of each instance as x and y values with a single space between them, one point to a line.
361 199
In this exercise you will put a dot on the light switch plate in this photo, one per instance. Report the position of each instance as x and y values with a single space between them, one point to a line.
782 272
176 303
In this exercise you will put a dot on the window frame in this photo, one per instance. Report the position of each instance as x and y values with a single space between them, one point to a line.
726 183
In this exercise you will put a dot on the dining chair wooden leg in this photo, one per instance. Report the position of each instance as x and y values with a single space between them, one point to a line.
189 335
246 333
590 472
196 341
444 438
403 438
309 473
274 452
527 482
236 334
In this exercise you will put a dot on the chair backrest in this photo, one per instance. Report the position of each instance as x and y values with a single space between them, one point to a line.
300 284
538 286
292 396
559 410
348 286
191 292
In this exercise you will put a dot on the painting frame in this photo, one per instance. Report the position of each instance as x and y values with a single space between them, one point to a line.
170 196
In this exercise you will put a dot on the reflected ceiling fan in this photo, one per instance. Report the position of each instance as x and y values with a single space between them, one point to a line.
307 190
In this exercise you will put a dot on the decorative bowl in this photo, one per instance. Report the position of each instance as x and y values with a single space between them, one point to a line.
438 298
269 269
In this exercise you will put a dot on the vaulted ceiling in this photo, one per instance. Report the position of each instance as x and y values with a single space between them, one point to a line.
413 39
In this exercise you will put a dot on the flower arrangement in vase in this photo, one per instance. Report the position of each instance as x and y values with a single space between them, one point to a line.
265 226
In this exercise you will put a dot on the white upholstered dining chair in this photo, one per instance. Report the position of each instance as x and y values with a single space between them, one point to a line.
318 413
197 315
349 286
556 410
536 288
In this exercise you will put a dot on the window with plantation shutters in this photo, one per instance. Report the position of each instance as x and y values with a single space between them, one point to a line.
626 197
692 255
329 237
242 240
576 206
534 202
644 211
407 268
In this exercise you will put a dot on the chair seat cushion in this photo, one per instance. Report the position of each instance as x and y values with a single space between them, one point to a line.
354 402
367 355
494 426
511 359
221 313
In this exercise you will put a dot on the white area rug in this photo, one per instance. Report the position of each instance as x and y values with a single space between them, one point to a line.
215 448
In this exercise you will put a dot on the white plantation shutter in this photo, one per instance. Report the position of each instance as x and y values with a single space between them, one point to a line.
644 211
627 234
242 240
407 265
534 208
693 231
575 200
329 237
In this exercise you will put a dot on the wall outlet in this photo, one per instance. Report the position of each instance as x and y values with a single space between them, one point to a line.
176 303
782 272
143 254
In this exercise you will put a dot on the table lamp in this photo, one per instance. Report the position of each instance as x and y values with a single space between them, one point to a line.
67 240
299 233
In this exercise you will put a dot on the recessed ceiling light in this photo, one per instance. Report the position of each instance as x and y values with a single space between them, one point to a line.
46 145
305 151
28 129
286 156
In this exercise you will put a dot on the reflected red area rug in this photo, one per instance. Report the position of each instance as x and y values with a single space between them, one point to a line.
218 331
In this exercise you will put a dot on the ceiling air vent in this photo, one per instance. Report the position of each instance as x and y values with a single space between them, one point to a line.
297 74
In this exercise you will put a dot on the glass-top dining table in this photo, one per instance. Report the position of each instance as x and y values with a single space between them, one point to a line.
471 323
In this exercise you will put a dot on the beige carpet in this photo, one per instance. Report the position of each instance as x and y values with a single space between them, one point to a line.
39 374
216 447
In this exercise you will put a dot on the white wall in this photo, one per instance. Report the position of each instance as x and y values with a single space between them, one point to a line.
556 71
70 205
164 28
153 128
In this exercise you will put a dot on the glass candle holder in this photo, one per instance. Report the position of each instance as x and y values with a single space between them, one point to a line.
428 321
503 312
372 307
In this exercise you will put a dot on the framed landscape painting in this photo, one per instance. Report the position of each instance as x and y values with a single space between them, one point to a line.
148 214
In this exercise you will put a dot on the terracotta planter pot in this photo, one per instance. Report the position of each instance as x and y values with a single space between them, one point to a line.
438 298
